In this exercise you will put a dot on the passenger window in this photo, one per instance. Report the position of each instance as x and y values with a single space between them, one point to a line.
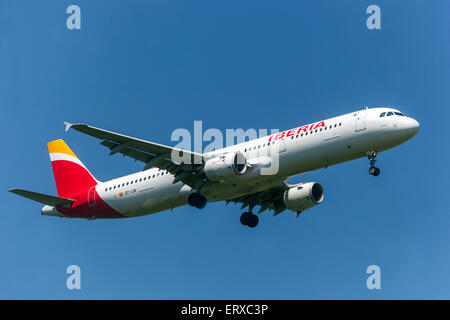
106 189
127 183
382 114
340 123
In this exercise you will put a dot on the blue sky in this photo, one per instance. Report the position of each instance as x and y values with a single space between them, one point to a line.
145 68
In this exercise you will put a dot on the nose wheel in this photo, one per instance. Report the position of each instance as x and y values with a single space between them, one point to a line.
374 171
249 219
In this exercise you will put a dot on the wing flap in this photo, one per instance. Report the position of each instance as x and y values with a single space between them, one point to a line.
265 199
43 198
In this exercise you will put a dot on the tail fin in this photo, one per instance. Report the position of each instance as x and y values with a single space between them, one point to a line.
70 174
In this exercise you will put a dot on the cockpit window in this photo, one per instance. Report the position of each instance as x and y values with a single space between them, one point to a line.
399 114
389 114
382 114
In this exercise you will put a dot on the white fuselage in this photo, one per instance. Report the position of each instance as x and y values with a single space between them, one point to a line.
293 152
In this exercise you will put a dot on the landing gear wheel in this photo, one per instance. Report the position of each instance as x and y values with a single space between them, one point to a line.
245 217
253 221
249 219
374 171
197 200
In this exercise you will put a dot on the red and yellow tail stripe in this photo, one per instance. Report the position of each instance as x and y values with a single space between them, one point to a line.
74 181
71 176
59 150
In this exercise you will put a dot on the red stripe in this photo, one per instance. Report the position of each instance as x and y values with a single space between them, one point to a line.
74 182
71 178
84 209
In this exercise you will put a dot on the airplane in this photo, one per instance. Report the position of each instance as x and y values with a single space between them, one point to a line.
232 174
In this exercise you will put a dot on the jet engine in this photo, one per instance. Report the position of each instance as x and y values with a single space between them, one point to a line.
225 166
303 196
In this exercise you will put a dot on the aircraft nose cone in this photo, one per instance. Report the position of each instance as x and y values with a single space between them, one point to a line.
413 126
409 128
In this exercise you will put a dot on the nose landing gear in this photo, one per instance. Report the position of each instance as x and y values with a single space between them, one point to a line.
374 171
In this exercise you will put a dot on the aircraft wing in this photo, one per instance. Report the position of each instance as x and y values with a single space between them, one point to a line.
267 199
150 153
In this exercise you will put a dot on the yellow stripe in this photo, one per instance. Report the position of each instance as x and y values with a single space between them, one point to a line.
60 146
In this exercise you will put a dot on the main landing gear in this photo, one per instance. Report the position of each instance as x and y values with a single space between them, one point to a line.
249 219
197 200
374 171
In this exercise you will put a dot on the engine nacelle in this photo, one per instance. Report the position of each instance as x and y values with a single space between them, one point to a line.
225 167
303 196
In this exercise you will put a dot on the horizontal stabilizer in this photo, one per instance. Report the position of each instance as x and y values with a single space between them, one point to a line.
44 198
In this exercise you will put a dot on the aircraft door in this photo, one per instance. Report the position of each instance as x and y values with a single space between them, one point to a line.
91 197
360 120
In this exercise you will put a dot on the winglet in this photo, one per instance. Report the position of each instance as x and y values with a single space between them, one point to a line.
68 125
